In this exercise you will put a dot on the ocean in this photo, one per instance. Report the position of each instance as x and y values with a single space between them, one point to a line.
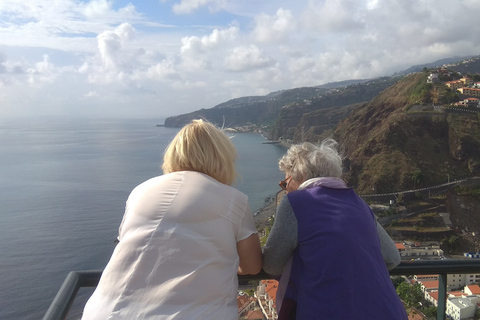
64 183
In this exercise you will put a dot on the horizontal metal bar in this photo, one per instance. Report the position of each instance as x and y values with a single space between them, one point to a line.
75 280
437 267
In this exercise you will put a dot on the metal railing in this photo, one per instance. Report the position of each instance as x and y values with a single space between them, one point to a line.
75 280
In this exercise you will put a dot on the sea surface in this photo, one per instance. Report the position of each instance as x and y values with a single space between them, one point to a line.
63 187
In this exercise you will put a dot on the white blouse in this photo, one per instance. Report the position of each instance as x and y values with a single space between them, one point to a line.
177 256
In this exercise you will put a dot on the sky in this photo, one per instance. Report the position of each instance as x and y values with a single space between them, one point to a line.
159 58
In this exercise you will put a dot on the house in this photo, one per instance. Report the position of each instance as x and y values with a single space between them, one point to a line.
466 80
462 307
432 297
455 84
428 286
245 304
472 92
454 281
425 277
472 289
266 295
433 78
468 102
416 250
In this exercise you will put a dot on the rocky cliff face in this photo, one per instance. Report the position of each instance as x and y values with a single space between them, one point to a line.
388 148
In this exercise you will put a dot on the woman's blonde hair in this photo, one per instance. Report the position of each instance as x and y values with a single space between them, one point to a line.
306 161
201 147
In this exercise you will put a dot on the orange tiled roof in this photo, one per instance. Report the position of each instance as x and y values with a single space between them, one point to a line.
434 295
457 293
242 300
429 284
474 288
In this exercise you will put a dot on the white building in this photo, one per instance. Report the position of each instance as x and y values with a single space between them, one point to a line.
462 307
454 281
416 250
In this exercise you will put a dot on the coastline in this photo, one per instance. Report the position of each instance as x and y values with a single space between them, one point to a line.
262 216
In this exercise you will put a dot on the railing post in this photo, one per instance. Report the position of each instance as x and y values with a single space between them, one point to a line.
60 306
62 302
442 296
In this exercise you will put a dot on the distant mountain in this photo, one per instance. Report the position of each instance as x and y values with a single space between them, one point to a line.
439 63
469 65
264 110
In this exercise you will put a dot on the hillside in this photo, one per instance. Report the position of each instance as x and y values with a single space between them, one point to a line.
390 148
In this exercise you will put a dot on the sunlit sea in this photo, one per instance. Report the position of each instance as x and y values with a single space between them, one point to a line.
63 187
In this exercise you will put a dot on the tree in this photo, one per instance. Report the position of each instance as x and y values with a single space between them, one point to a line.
410 294
430 312
397 281
452 241
416 177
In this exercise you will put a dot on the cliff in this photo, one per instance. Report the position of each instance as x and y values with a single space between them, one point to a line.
388 147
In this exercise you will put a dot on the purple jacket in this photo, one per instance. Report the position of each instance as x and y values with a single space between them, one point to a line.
338 271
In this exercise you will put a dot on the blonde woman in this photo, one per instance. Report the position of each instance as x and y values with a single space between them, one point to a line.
184 237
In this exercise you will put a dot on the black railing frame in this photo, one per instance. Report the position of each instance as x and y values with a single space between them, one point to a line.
75 280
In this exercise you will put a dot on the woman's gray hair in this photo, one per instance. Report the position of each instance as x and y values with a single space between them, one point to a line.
306 161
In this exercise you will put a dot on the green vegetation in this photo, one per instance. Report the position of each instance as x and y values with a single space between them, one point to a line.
411 295
389 212
397 281
422 92
471 191
416 177
263 240
450 243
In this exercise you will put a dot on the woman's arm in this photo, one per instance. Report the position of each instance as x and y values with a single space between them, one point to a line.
390 253
282 240
250 255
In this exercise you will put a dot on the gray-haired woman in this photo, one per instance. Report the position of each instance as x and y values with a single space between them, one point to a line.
327 245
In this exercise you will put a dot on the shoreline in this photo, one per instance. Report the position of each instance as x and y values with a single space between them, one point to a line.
262 216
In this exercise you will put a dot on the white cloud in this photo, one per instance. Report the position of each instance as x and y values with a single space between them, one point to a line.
276 28
247 58
110 45
188 6
372 4
200 53
193 54
91 94
43 72
96 8
163 70
196 45
333 16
